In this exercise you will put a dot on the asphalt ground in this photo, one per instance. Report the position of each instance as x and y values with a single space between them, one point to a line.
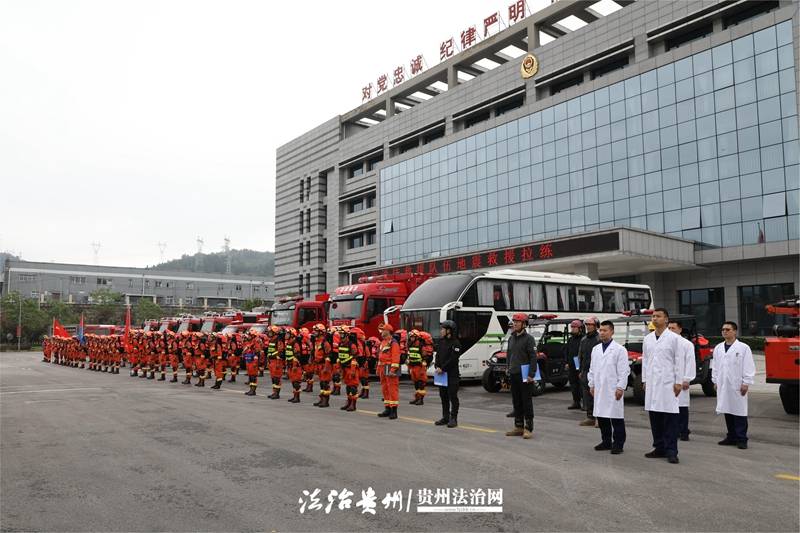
88 451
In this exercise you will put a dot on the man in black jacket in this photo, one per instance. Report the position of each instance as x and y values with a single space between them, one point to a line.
572 351
589 341
521 351
448 350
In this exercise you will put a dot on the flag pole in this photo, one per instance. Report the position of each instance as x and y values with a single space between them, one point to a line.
19 325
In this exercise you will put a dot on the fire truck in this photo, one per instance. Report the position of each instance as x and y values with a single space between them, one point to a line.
364 303
298 313
782 353
169 323
151 325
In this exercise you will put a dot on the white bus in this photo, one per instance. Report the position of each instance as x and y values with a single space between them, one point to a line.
482 303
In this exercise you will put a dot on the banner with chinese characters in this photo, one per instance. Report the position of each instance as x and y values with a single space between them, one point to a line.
508 257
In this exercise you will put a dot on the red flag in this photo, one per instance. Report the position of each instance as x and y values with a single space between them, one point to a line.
59 330
127 328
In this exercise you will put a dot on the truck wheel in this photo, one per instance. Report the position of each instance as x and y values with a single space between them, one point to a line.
489 382
638 390
537 388
790 398
708 386
560 385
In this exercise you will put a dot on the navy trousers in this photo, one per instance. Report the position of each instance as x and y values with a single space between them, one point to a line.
683 422
737 427
664 427
612 431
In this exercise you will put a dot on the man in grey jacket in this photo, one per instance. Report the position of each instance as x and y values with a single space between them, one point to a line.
521 351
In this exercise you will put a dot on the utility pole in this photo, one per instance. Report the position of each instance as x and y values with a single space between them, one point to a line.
227 249
198 258
19 324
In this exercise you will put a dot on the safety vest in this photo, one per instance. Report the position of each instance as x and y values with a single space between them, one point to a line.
414 355
344 354
271 349
288 353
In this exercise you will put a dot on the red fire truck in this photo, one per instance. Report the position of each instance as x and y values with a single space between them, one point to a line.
364 303
782 353
299 313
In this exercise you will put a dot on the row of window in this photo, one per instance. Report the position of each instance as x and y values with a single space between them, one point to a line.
361 239
362 203
364 166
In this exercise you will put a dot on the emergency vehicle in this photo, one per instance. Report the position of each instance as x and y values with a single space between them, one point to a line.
151 325
362 305
189 323
782 353
169 323
298 313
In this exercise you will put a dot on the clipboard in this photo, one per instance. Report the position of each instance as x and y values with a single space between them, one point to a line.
440 379
577 361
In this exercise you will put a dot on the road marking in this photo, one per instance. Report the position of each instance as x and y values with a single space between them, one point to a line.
429 422
788 476
49 390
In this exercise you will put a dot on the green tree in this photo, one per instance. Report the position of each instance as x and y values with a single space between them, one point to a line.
106 307
248 305
146 309
62 312
35 321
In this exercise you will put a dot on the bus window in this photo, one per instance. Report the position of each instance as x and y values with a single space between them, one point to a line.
494 293
588 298
613 300
471 327
638 299
560 298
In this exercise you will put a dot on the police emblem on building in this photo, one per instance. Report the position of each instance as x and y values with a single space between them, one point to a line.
530 66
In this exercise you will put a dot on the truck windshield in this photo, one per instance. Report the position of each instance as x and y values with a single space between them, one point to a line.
229 330
163 327
207 327
346 309
183 327
283 317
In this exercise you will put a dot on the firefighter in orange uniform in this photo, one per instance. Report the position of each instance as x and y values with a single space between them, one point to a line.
348 367
234 355
369 367
322 353
296 356
188 355
307 360
275 354
250 352
173 350
200 353
420 352
218 351
389 371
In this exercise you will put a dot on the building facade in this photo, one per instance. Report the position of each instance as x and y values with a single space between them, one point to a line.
74 284
669 128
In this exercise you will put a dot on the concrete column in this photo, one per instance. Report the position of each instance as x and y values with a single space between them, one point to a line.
587 269
155 300
533 36
641 49
452 77
205 303
229 302
127 299
389 107
717 25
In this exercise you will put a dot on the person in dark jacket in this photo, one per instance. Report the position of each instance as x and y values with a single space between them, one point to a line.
521 351
589 341
448 350
571 350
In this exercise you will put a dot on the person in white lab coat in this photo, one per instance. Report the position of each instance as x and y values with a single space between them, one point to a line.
662 377
608 379
689 373
733 371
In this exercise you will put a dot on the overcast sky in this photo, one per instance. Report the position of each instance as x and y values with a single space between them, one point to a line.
130 123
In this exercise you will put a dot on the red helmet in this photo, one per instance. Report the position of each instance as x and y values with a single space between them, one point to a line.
575 324
519 317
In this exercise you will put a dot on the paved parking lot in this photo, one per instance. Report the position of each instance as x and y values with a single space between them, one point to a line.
86 451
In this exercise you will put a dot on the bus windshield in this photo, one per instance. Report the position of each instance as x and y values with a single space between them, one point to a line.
207 327
436 292
421 320
283 317
346 309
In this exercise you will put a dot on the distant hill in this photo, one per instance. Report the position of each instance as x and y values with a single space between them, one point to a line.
243 263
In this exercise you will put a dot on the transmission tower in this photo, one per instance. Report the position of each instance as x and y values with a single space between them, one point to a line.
227 250
96 247
161 247
198 258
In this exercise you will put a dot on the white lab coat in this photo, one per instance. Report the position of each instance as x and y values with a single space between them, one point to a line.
729 370
689 369
608 372
662 367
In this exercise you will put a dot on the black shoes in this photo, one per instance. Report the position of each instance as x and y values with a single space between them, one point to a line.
742 445
673 459
393 414
386 412
574 406
616 451
510 415
602 447
441 422
684 437
453 422
655 455
727 442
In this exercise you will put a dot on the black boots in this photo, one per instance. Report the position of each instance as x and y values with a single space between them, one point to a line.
188 380
453 421
252 391
174 379
276 394
337 389
295 396
309 386
441 422
233 379
418 399
163 377
393 414
386 412
217 385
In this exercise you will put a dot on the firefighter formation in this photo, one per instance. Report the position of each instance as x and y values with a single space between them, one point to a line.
337 356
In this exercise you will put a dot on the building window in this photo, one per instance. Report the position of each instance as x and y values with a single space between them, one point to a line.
147 284
708 307
27 277
370 237
308 283
169 300
308 220
159 284
308 188
356 170
300 284
354 206
308 253
237 288
103 281
130 283
302 187
373 163
77 280
753 317
166 284
355 241
256 289
190 286
188 300
301 223
300 254
35 294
